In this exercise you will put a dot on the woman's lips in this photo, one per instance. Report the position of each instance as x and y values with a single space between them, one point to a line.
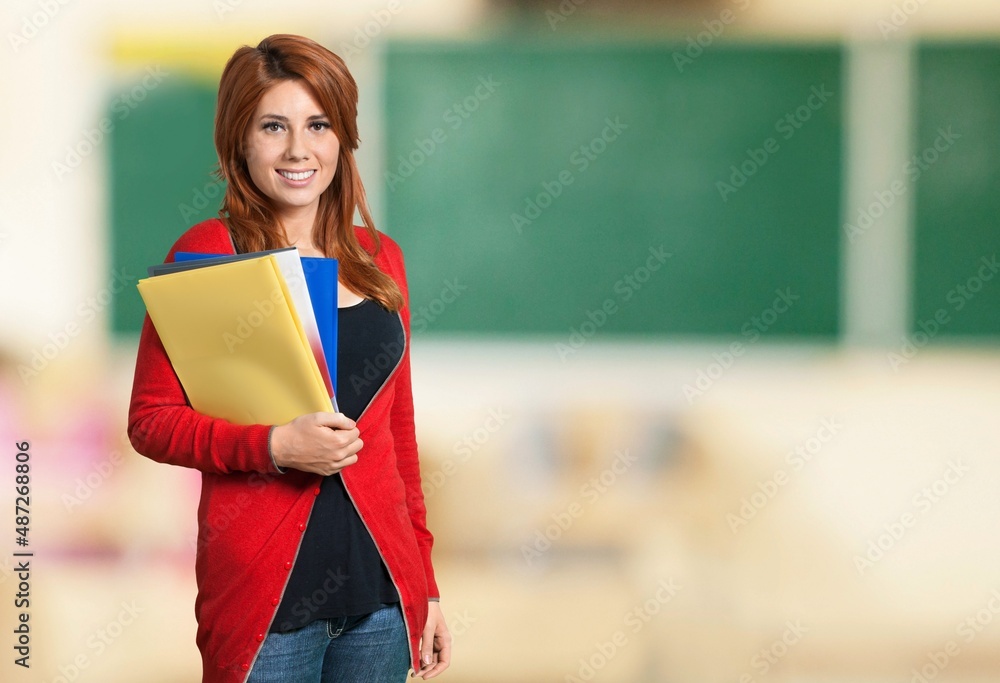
297 178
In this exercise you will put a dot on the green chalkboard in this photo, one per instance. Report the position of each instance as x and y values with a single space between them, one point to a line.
957 174
537 178
161 158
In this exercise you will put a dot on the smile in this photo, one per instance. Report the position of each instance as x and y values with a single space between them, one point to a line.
297 176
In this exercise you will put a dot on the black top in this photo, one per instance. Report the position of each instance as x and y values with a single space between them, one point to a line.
339 571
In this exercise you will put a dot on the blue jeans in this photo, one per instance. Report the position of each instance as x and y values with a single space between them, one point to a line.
373 648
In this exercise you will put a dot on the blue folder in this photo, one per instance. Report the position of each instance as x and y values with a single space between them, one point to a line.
321 281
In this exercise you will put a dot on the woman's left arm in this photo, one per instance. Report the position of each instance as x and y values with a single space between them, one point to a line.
435 646
404 436
408 464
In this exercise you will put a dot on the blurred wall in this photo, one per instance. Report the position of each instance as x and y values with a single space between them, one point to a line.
646 509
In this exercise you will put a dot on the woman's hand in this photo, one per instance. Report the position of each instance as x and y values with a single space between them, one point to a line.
435 644
323 443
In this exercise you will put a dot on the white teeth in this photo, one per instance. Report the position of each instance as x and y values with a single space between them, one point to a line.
296 176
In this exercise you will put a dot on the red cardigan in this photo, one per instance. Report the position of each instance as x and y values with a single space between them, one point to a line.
251 518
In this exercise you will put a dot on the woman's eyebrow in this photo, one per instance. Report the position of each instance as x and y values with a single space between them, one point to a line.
279 117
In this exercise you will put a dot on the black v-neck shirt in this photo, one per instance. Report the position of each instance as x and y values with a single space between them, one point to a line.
338 571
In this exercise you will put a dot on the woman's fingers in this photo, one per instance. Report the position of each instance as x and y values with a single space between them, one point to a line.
333 420
323 443
435 644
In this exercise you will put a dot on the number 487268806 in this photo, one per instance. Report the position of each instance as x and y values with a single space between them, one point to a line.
22 511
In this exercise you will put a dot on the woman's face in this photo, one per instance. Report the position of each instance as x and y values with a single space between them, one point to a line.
291 150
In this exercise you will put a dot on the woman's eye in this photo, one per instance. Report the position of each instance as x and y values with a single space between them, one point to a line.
272 126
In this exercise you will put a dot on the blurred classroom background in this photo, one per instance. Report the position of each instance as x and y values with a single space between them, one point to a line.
705 325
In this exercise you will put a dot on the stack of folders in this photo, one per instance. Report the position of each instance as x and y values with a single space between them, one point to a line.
242 333
321 281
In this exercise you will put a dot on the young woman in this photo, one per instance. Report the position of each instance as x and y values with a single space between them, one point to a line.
314 559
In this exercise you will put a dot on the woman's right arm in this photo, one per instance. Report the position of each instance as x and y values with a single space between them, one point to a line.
163 427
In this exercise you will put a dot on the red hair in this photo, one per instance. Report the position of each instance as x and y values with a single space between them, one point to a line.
248 212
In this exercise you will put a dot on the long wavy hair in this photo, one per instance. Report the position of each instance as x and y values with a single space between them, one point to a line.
247 212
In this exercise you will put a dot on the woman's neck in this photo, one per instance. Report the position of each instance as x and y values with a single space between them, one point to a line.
298 228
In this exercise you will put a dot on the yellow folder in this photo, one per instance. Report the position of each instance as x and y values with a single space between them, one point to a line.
236 343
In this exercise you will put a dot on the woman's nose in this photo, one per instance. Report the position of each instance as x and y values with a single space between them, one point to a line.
296 146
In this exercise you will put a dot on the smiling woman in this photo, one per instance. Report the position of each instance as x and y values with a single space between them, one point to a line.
313 501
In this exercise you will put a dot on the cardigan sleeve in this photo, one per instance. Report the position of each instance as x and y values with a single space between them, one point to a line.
404 436
164 427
